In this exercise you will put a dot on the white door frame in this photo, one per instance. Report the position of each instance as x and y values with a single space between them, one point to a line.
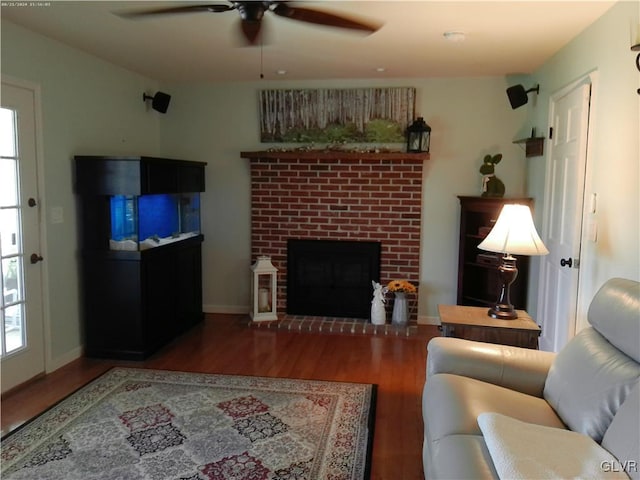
585 294
46 319
581 304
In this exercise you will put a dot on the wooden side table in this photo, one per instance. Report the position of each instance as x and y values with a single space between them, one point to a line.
473 323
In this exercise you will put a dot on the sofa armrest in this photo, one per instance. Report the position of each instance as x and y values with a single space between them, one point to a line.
521 369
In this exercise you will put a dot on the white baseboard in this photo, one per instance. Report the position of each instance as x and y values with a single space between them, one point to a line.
59 362
233 309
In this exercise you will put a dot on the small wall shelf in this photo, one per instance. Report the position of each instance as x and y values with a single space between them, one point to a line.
534 146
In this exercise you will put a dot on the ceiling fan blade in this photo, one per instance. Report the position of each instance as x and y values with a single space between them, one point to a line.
251 30
322 18
212 8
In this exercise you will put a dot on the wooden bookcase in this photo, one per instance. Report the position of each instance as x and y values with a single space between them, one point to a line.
478 283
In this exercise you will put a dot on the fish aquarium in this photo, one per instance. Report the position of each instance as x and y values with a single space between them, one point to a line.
141 222
140 251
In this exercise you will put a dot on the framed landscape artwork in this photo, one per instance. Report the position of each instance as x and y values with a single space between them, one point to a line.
356 115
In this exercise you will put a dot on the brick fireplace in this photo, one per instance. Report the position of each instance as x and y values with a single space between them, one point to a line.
337 196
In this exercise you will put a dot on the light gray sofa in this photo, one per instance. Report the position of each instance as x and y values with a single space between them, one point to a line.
494 411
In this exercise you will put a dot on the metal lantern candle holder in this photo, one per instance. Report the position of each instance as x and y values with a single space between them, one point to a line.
418 136
263 290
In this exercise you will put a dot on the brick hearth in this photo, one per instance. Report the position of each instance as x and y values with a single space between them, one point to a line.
337 196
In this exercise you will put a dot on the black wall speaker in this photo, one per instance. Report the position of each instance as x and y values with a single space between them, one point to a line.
518 95
159 102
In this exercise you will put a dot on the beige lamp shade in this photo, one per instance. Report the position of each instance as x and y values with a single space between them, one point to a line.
514 233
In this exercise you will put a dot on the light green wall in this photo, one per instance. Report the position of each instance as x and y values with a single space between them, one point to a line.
92 107
88 107
470 117
613 162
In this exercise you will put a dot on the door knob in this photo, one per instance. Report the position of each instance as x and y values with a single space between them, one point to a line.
32 202
35 258
566 262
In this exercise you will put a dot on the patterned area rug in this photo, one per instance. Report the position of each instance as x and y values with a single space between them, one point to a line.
153 424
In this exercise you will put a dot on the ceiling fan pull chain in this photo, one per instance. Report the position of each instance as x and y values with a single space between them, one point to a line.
261 60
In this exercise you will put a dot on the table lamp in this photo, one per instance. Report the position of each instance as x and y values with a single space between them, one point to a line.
513 234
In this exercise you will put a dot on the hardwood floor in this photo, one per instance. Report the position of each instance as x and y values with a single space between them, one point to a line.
224 344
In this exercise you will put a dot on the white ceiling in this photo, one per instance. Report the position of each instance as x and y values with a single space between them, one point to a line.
502 38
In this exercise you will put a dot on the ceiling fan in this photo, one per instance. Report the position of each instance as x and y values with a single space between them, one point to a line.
251 14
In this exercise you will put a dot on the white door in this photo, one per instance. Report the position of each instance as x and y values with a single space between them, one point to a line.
22 333
562 224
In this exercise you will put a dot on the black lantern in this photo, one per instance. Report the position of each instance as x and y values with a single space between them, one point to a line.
418 136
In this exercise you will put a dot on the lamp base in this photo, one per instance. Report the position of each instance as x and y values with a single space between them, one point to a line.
507 273
503 312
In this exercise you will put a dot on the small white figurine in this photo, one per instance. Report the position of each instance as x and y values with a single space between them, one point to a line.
378 313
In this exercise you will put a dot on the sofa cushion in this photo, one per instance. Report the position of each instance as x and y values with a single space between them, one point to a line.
588 382
615 313
451 405
524 450
623 435
459 456
521 369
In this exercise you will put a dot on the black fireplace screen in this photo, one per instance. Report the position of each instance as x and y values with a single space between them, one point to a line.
331 278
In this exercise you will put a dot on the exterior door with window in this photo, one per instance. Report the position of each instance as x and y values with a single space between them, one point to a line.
22 333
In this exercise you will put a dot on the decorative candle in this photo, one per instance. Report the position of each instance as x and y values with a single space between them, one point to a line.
263 300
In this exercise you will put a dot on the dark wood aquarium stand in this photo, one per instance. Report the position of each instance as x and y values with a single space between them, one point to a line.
135 302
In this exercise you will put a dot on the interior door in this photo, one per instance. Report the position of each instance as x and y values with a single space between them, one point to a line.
22 332
562 224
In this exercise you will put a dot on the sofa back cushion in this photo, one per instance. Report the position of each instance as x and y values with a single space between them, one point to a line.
615 314
622 438
588 381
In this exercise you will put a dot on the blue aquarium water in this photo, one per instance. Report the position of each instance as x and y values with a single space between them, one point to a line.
190 212
158 216
123 218
162 216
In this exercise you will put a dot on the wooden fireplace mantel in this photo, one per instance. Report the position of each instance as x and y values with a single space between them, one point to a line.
333 155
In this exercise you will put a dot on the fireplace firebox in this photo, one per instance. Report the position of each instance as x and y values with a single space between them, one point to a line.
331 277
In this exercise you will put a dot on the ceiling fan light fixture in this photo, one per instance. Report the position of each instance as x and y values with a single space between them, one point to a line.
252 12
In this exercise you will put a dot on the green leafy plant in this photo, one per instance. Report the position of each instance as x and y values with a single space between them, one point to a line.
382 130
492 186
